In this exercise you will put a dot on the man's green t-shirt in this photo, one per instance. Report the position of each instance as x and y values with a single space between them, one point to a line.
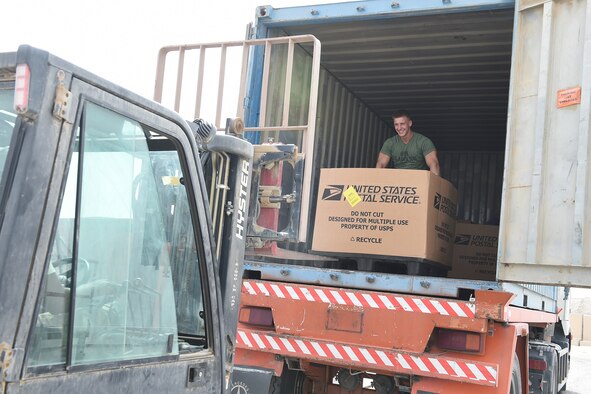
409 156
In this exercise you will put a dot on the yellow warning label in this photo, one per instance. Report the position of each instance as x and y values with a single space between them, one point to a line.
352 196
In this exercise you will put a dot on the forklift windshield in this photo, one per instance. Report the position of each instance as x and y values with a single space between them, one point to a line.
7 120
124 254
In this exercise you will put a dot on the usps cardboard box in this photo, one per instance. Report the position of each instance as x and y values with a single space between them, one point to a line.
586 328
475 252
386 212
576 327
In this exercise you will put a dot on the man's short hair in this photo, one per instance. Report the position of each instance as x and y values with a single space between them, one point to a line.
400 113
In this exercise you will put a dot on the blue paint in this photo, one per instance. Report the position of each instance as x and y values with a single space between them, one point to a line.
370 10
254 77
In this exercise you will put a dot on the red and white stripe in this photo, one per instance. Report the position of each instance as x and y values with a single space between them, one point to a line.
360 298
365 357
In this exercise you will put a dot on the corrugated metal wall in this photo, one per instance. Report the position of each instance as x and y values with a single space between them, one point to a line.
548 291
452 71
546 217
478 176
348 134
449 69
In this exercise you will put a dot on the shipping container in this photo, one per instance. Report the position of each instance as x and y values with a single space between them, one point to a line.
500 92
502 89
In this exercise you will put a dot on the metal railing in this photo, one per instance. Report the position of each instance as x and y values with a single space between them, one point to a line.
307 128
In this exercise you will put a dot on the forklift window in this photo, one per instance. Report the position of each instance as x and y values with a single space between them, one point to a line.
7 121
115 287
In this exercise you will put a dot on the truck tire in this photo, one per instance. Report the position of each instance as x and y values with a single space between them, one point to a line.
515 377
290 382
554 375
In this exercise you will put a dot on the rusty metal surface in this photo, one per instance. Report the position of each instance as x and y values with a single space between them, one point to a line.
348 134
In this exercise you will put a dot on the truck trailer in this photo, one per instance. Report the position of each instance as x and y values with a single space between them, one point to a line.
502 89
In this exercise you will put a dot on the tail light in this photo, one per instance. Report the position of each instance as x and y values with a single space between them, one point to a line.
462 341
21 88
256 316
537 364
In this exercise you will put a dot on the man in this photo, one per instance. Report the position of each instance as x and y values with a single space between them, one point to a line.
407 149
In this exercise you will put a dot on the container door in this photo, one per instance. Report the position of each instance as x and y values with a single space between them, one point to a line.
272 84
545 221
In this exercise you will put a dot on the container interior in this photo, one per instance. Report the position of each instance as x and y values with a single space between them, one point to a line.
449 70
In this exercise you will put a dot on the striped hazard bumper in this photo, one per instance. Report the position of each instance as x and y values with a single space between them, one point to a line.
360 298
370 358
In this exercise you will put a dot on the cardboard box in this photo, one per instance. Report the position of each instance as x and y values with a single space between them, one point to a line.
475 252
576 326
586 328
386 212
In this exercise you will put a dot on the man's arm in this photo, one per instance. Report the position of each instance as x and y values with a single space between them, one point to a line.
432 162
383 160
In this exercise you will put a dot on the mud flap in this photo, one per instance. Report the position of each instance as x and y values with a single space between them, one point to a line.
246 380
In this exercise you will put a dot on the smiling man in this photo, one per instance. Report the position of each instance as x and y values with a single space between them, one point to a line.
407 149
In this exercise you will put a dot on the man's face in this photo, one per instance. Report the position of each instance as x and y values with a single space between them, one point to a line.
402 125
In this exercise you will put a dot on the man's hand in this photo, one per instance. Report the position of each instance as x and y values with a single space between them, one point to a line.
432 162
383 160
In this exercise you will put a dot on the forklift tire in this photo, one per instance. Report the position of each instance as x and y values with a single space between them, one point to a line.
515 376
290 382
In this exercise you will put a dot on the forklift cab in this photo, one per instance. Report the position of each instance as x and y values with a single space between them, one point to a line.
109 279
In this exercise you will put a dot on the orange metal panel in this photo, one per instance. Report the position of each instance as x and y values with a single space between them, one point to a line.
499 349
360 298
344 319
388 320
495 305
259 359
439 364
521 315
437 368
386 333
522 351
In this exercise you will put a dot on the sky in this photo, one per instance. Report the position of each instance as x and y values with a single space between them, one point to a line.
119 39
